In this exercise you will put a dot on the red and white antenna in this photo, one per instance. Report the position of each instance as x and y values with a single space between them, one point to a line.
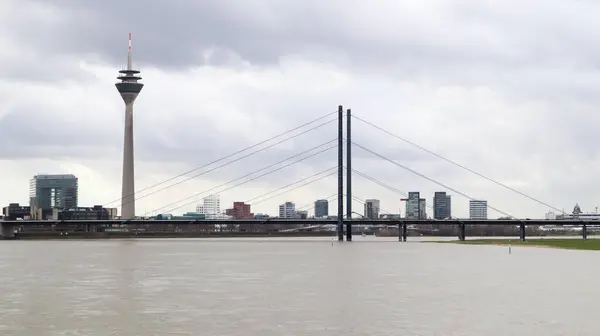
129 62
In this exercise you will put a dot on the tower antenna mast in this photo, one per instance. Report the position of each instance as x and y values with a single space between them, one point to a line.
129 62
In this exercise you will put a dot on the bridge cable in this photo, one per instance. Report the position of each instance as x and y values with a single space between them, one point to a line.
457 164
387 186
256 171
311 205
253 178
235 153
429 178
291 184
363 202
231 161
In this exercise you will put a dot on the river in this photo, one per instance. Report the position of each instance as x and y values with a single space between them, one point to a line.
303 286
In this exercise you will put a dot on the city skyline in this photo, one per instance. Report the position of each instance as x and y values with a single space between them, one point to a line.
489 104
60 192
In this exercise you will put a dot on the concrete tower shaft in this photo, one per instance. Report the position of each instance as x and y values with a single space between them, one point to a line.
129 88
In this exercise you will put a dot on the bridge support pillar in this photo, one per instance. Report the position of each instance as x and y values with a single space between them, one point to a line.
462 232
402 229
522 232
340 219
348 175
91 227
584 231
7 230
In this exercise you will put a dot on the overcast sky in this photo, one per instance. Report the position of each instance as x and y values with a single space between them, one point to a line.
506 88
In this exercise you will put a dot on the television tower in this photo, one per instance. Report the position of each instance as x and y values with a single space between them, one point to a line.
129 88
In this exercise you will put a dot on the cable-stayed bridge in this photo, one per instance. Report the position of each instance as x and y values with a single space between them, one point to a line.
343 195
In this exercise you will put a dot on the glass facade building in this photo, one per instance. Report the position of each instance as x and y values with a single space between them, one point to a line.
442 205
321 208
53 192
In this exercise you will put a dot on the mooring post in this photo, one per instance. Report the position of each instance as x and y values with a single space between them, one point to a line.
340 225
348 175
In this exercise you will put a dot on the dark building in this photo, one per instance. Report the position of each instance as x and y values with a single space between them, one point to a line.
371 209
321 208
53 192
97 212
14 211
442 205
240 210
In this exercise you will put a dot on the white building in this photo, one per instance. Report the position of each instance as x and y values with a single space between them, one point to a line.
478 210
211 207
287 210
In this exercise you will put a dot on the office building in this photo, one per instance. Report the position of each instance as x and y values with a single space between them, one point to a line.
47 192
97 212
287 210
321 208
14 211
416 207
371 209
478 209
442 206
210 207
240 210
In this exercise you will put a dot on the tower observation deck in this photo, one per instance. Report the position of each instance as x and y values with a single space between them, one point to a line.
129 88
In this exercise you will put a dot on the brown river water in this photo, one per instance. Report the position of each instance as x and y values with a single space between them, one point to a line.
303 286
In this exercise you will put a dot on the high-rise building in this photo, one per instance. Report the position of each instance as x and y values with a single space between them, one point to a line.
422 208
129 88
371 209
442 206
478 209
416 207
53 192
321 208
287 210
240 210
210 207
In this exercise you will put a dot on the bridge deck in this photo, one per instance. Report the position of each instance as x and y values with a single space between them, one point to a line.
312 222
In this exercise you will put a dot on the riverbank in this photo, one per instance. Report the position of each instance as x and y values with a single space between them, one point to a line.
561 243
131 235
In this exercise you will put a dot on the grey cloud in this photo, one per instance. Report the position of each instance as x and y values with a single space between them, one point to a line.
525 58
466 43
174 34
